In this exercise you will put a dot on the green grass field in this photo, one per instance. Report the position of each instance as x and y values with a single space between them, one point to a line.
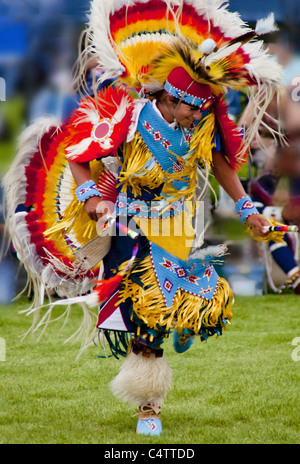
240 388
12 113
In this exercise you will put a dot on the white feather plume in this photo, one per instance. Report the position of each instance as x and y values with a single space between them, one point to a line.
266 25
222 53
89 114
100 37
75 150
121 111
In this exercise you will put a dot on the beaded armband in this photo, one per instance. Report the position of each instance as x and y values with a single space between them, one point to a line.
244 208
87 190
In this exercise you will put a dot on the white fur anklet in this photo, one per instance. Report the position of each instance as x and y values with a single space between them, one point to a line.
142 380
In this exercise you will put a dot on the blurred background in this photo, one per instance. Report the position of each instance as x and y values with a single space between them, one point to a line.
38 48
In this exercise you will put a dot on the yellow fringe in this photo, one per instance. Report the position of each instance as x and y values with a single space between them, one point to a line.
133 173
188 311
201 144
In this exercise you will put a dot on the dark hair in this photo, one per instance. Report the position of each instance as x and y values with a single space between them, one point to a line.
160 96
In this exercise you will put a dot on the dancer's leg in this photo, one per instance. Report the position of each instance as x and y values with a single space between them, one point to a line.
285 259
144 380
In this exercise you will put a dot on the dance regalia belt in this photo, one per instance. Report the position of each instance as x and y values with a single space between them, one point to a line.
126 206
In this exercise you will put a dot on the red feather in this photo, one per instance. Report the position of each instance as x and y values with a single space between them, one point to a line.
107 287
107 186
232 143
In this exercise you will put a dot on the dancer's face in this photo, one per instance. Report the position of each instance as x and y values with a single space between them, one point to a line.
184 114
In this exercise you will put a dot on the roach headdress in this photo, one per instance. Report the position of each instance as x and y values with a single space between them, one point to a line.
140 43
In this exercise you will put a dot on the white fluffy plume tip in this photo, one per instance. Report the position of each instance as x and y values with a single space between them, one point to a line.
266 25
207 46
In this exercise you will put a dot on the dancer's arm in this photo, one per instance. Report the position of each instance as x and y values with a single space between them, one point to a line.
231 183
82 173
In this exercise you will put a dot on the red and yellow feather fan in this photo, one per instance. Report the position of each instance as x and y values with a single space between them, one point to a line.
47 223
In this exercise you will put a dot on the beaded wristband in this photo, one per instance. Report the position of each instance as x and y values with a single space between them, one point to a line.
244 208
87 190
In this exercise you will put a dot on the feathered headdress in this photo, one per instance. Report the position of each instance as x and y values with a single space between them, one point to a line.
139 42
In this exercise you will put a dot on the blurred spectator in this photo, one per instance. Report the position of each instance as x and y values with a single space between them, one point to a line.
286 54
55 98
284 111
277 194
60 96
290 109
233 98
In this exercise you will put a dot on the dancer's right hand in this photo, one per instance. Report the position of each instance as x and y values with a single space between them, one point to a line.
91 208
99 209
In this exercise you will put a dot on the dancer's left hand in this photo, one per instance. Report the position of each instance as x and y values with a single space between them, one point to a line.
258 224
